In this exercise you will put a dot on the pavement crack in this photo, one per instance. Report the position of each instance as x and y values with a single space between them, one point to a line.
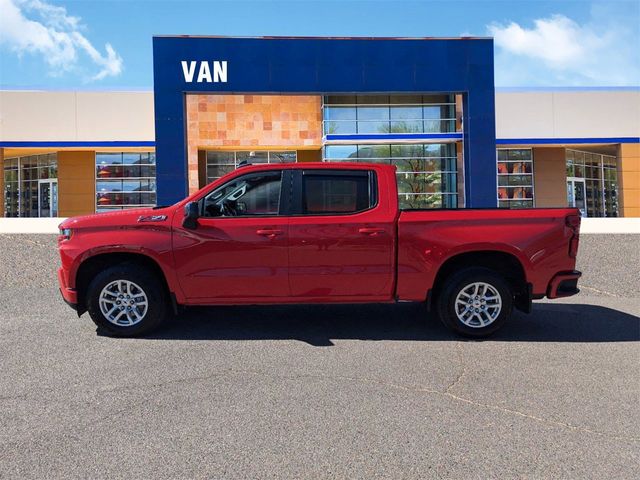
463 368
24 238
604 292
410 388
445 393
536 418
458 398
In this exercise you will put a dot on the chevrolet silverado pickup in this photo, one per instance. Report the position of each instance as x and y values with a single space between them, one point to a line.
309 233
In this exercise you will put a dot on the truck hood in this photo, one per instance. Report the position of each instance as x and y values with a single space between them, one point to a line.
121 218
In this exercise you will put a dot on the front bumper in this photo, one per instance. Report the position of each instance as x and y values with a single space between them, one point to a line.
68 299
564 284
70 295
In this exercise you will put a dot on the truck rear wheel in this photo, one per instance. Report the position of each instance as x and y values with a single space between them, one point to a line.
127 300
475 302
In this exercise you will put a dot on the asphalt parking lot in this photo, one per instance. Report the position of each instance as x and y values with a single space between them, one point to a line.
325 391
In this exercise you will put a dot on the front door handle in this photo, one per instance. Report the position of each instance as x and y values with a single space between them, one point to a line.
371 231
269 232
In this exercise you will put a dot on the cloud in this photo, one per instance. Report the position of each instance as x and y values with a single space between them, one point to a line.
39 28
557 50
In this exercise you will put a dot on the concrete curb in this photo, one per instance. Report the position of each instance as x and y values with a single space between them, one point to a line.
589 225
610 225
30 225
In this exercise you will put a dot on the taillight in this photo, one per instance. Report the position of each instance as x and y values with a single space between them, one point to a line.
573 222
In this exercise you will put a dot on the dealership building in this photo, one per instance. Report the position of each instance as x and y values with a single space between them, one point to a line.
427 106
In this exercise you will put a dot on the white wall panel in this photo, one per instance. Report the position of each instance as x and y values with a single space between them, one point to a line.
568 114
37 116
596 114
76 116
124 116
128 116
524 115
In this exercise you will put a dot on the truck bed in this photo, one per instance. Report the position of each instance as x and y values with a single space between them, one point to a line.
537 238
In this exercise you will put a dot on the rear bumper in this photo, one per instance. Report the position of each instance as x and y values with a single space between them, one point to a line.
564 284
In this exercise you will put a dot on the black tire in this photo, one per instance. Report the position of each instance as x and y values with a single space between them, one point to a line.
457 282
157 302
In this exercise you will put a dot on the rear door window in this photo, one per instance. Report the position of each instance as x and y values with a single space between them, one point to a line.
338 192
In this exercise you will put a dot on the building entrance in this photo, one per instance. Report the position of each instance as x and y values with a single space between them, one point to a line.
47 198
576 188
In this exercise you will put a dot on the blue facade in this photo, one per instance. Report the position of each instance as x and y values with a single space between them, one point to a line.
329 66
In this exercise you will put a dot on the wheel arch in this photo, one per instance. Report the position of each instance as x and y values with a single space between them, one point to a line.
91 266
504 263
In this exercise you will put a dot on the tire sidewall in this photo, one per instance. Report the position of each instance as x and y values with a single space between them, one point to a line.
457 282
152 287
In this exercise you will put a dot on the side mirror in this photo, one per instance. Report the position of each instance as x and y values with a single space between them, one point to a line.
191 214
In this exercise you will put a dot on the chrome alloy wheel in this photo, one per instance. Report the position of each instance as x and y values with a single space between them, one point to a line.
478 305
123 303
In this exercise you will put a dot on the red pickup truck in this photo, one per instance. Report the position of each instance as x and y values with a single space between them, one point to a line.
314 233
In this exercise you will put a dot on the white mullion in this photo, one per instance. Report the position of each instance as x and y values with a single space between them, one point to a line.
19 188
604 206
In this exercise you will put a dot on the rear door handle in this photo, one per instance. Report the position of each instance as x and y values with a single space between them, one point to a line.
371 230
269 232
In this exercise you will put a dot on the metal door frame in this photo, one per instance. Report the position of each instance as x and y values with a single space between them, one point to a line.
50 181
575 180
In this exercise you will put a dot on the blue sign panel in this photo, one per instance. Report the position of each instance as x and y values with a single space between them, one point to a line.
183 65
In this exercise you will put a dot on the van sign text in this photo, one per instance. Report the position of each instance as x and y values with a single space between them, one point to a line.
207 72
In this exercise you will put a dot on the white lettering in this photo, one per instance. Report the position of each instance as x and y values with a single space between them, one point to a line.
189 71
205 73
220 71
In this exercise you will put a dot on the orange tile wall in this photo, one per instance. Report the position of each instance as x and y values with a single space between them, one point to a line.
629 175
1 182
240 122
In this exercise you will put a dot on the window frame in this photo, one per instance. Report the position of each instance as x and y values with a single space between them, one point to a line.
357 104
284 201
237 159
596 204
27 174
507 202
447 157
297 199
145 160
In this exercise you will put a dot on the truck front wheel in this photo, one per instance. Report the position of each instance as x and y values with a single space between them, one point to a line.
475 302
127 300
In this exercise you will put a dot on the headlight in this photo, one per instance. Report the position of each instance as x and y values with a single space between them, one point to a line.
65 234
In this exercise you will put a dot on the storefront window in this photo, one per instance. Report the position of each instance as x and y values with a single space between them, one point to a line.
375 114
125 180
426 173
597 175
30 186
220 163
515 178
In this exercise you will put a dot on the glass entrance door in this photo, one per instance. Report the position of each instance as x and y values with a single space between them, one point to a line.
576 194
48 198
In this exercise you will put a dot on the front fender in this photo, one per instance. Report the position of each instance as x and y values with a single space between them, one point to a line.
153 243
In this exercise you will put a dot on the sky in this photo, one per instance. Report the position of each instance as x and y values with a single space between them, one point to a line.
106 44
